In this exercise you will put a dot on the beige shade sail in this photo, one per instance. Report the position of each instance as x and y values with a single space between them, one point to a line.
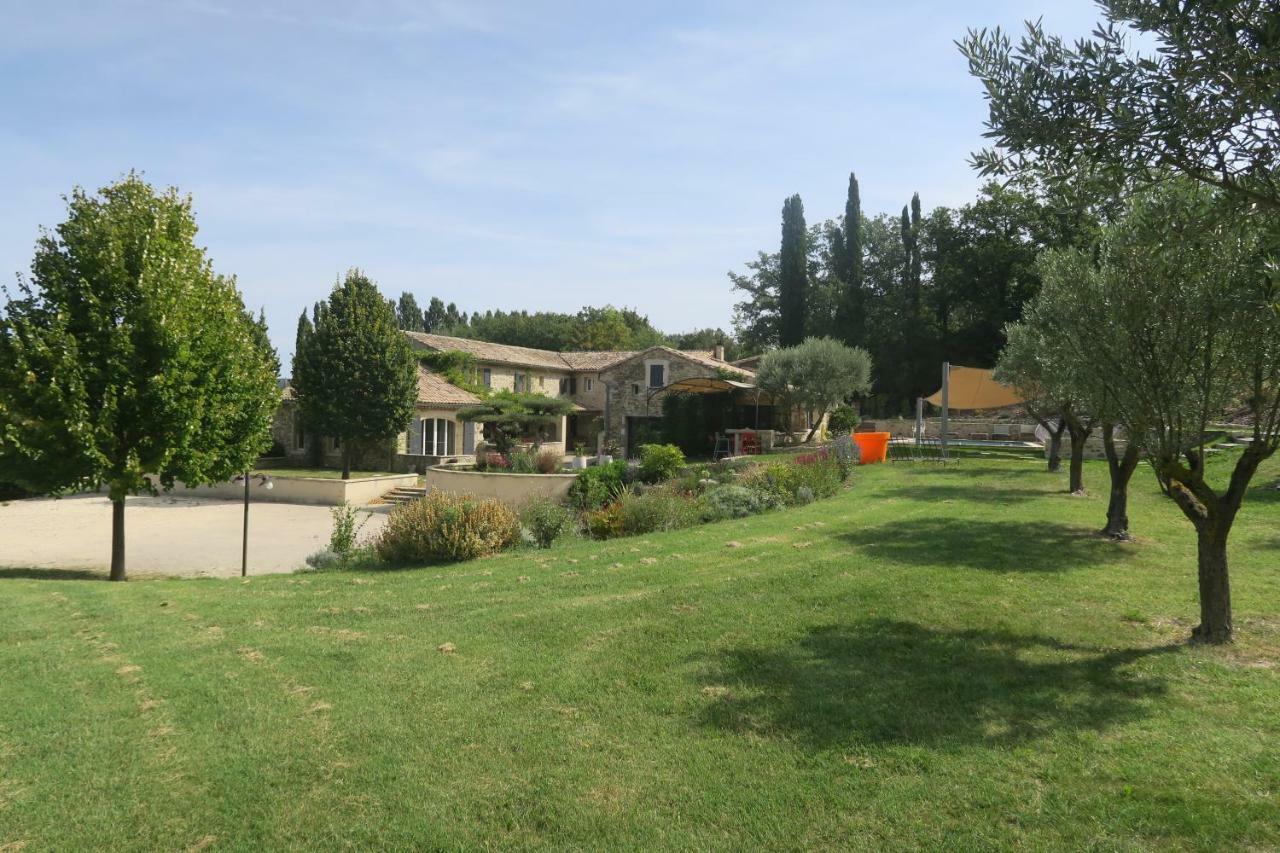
973 388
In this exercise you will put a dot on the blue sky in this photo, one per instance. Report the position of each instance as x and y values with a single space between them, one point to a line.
499 155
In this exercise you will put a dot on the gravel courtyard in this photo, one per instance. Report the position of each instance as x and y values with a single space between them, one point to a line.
165 535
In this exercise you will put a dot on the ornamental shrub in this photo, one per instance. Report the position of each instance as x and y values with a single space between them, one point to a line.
822 472
660 462
723 502
446 527
597 485
548 461
844 419
545 520
774 483
347 525
655 510
492 461
523 461
604 522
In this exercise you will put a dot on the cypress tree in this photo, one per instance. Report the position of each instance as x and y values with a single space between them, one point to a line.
353 371
851 318
915 255
793 273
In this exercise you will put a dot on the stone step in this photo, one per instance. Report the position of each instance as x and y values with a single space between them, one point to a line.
404 495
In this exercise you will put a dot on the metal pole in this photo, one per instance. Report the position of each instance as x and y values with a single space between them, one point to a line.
244 544
946 392
919 419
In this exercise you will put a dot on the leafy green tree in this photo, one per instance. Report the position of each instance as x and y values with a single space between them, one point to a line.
126 361
1179 296
755 318
1202 103
408 314
354 373
815 376
793 273
510 416
706 339
435 317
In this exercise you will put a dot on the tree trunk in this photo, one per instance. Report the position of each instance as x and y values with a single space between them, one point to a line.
117 539
1215 587
1055 450
346 460
1076 471
1122 468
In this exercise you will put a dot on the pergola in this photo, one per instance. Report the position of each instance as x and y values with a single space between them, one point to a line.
716 385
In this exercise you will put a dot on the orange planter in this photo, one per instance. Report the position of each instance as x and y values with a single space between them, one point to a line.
873 446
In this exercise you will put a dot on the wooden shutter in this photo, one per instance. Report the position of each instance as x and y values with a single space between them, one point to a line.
468 438
450 438
415 436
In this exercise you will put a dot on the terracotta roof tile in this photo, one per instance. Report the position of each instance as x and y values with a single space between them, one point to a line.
434 389
484 351
591 360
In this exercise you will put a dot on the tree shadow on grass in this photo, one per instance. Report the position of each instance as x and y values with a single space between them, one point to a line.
1267 493
894 682
997 546
939 492
52 574
962 472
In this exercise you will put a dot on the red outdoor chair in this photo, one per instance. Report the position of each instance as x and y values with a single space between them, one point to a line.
750 444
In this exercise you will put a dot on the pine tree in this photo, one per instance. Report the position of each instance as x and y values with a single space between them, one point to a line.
354 373
794 273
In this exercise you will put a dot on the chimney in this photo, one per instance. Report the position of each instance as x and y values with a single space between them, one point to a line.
718 352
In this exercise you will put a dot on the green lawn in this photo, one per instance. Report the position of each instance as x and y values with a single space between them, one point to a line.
936 658
326 473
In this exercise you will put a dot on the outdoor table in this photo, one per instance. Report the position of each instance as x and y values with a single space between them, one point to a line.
735 436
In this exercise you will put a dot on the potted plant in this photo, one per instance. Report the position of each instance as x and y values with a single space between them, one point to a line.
606 456
579 455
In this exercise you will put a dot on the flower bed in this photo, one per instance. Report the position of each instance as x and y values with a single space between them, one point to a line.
463 516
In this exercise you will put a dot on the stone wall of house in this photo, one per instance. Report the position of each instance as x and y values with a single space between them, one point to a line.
589 398
502 377
630 396
310 450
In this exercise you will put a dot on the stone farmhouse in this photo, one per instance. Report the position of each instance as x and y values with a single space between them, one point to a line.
617 400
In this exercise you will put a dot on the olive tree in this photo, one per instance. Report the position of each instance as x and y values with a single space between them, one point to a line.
1052 394
1050 348
814 376
1202 104
126 362
1180 300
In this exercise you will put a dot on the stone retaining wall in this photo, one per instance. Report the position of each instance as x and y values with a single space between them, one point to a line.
512 489
306 490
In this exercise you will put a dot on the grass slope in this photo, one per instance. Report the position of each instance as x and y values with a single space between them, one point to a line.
936 658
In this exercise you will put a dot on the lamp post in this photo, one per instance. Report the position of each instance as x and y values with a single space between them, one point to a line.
246 478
